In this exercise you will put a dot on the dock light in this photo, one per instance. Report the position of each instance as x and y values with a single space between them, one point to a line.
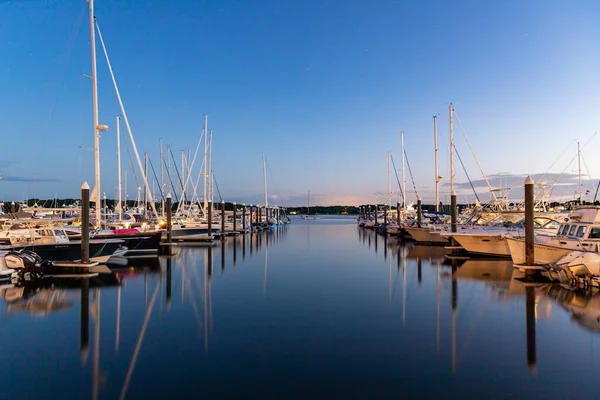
162 223
102 127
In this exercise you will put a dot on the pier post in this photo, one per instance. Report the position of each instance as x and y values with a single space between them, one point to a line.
258 216
375 214
453 211
169 222
398 213
222 217
85 223
250 218
209 206
244 217
529 246
385 211
234 217
419 212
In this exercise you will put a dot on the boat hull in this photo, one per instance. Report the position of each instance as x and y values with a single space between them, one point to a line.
488 245
100 250
426 235
543 253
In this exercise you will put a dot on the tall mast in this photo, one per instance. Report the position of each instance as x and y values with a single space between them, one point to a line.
96 192
265 179
205 165
437 173
169 168
450 109
308 207
403 178
147 188
389 182
119 167
579 162
210 174
162 182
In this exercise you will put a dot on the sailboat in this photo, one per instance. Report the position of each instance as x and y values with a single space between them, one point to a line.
308 216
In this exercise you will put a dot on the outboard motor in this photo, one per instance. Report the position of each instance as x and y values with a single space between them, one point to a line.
27 263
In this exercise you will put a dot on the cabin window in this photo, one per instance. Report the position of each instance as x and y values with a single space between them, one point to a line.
563 230
594 233
581 231
551 225
572 230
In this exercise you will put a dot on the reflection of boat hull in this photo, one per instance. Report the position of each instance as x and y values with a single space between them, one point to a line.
543 254
192 233
489 245
426 235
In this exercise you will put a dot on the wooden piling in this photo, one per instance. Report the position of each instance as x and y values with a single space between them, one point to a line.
244 217
209 206
169 223
419 212
250 218
85 223
222 217
385 211
375 214
529 245
234 217
453 211
398 213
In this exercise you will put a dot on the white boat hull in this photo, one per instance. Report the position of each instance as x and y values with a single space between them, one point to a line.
492 245
426 235
543 253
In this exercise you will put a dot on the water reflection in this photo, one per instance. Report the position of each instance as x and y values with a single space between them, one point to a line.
377 315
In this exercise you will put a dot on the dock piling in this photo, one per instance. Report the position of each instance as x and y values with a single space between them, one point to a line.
234 217
85 223
529 246
453 211
169 224
222 217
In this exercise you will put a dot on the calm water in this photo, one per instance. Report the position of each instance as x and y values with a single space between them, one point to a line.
317 309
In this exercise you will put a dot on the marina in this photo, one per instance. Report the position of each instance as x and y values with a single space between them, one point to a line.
193 200
316 309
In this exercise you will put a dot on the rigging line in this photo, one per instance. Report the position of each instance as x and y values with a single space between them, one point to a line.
170 181
137 184
275 183
156 179
474 156
465 170
184 197
411 175
596 194
586 167
555 161
217 186
398 180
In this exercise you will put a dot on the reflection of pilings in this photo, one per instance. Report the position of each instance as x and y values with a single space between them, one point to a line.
169 267
210 261
419 271
85 319
222 256
403 287
437 314
375 237
234 251
530 315
454 307
96 366
118 330
385 247
243 247
265 272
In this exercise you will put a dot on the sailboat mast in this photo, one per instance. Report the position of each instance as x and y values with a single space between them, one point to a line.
451 152
265 179
96 191
162 182
579 162
308 206
119 167
403 178
389 182
210 174
437 173
205 165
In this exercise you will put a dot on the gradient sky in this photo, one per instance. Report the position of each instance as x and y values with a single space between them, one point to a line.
324 88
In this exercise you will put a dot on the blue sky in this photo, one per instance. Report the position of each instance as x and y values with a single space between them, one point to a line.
324 88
